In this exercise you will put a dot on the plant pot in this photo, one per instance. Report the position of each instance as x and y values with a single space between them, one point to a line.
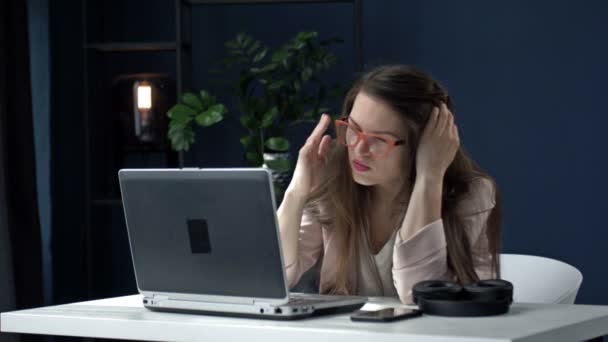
280 178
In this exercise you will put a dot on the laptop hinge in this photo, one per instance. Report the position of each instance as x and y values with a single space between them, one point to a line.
260 303
159 297
208 299
227 300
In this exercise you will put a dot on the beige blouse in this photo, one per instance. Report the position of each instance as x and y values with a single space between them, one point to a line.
376 278
423 256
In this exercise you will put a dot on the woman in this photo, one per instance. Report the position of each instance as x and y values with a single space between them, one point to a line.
395 200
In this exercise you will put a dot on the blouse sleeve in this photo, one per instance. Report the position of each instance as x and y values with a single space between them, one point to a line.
310 246
423 256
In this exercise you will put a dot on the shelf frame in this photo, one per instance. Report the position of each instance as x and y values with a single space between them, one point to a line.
133 46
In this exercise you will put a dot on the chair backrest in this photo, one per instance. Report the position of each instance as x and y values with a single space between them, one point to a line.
540 280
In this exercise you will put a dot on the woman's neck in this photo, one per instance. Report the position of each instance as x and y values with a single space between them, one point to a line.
387 207
386 196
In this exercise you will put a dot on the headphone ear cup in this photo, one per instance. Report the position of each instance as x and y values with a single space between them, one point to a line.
489 290
436 290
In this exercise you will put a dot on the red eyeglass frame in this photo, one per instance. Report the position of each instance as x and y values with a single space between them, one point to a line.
364 136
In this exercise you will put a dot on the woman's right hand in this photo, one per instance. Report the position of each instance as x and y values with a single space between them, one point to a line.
312 159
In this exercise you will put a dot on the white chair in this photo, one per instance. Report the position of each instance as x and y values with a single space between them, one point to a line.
540 280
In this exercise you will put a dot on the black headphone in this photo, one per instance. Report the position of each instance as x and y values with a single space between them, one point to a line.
447 298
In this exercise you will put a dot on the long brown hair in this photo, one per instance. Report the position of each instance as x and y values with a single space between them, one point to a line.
342 204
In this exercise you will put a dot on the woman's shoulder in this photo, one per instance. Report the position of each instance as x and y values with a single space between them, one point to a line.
481 197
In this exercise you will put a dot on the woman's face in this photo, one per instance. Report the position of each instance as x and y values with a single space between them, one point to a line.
367 164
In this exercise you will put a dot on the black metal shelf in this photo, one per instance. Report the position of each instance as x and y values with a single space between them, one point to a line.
146 148
98 205
133 46
256 2
101 202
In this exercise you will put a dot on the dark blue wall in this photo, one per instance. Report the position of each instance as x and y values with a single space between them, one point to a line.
528 78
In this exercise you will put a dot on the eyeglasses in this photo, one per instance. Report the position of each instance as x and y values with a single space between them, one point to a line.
378 146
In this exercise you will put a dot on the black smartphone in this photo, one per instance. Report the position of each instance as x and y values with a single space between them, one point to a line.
385 315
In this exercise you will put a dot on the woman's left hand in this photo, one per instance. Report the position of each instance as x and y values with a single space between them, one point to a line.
438 144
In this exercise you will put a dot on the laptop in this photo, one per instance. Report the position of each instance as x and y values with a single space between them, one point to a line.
207 241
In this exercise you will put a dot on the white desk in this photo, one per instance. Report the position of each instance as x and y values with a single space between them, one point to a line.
125 318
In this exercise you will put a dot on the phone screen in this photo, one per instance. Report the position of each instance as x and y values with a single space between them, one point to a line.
389 314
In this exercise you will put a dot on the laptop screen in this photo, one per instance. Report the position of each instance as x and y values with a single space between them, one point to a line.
208 232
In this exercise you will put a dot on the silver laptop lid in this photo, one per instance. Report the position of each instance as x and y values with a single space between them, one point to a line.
208 234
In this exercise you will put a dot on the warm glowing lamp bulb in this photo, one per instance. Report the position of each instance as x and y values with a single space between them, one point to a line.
144 97
143 112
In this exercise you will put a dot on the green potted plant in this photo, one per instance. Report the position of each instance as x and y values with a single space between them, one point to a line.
277 90
274 89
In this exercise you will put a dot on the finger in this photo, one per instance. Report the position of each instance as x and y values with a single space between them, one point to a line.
432 123
456 135
442 120
449 126
324 146
321 127
304 152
